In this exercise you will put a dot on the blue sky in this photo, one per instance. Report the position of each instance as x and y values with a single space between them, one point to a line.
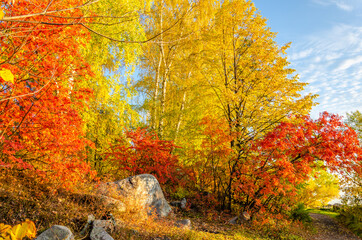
326 48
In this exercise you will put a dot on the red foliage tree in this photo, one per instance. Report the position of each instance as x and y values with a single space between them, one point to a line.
265 178
212 159
143 152
285 157
40 128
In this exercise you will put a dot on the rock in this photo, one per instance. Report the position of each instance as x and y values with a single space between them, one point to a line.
244 217
56 232
99 233
90 220
184 223
114 203
141 192
107 225
181 204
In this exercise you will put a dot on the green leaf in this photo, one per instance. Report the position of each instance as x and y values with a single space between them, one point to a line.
7 75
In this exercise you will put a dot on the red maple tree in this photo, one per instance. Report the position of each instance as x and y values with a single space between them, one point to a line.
143 152
284 158
40 126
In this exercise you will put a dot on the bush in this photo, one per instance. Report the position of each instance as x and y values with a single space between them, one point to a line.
300 214
352 217
143 152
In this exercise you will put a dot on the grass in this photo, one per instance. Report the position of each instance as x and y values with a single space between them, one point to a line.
324 212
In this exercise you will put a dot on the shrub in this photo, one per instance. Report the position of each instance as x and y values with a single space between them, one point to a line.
143 152
300 214
352 217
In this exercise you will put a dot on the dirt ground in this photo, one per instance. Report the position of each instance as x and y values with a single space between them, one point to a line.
329 229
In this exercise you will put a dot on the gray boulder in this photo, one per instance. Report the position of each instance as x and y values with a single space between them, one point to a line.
56 232
96 226
98 233
138 193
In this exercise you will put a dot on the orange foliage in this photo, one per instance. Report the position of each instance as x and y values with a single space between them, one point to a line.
212 159
143 152
265 176
40 128
285 157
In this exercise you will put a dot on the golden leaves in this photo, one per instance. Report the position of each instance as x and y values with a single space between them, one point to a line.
6 74
18 232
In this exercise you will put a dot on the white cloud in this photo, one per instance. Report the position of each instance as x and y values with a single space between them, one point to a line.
349 63
302 54
344 6
341 4
331 62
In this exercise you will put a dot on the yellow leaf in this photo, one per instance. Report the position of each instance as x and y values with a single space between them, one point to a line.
5 232
7 75
12 237
25 229
2 14
4 228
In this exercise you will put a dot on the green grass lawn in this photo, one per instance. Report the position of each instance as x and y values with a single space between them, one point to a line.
325 212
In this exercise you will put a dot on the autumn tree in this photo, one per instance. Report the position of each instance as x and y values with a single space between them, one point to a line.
223 63
56 46
352 187
321 187
254 89
170 77
112 54
354 120
141 151
285 157
212 158
40 124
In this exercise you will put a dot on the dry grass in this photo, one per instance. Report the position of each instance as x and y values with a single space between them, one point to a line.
21 197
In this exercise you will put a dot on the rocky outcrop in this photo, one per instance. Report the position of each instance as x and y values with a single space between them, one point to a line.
138 193
56 232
